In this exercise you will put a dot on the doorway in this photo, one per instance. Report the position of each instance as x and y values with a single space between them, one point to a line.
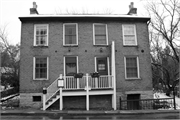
133 101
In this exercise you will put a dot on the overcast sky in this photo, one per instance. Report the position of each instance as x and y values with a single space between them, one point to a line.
10 10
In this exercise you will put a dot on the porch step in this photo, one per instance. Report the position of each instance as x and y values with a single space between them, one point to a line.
52 100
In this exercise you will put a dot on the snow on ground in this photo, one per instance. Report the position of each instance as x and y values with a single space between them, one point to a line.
163 95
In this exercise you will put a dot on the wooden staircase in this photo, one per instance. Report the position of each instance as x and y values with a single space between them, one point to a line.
52 95
52 100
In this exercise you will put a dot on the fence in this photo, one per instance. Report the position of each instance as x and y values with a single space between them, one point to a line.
144 104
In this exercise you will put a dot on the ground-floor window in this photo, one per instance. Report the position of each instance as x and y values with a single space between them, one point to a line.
131 67
36 98
40 69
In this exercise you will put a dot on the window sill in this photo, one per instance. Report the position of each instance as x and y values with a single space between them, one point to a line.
130 45
101 45
41 79
40 46
70 45
132 78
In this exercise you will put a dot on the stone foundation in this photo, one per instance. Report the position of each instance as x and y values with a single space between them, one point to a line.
100 102
123 95
79 102
26 100
96 102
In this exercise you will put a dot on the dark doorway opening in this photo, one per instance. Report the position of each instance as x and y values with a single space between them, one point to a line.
133 101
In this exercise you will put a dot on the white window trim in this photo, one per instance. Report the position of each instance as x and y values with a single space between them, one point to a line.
137 58
34 63
135 35
47 42
95 63
77 61
94 33
64 34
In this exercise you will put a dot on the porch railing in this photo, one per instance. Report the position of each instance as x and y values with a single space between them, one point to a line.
144 104
94 83
52 89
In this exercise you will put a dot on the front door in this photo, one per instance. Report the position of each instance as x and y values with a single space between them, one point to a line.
71 66
102 67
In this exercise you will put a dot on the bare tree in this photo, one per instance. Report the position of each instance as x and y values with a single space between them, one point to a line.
164 39
165 22
9 60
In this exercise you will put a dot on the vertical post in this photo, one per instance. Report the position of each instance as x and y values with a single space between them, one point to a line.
60 90
96 82
44 98
60 85
77 83
113 62
120 103
174 99
87 92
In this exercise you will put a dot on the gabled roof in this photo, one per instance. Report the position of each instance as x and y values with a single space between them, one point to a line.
84 17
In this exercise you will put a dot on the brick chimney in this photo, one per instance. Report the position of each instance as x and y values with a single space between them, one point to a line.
132 10
34 9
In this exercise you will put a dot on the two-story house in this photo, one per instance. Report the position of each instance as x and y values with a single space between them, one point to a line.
115 46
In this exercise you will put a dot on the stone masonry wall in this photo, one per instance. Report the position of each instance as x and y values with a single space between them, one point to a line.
96 102
26 100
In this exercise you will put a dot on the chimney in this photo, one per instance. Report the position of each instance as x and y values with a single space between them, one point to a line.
132 10
34 9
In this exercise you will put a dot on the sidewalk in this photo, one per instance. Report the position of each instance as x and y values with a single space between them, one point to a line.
71 112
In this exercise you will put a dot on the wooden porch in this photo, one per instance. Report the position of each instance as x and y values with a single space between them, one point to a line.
87 85
78 86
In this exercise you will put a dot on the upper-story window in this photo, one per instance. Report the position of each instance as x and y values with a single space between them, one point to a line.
100 34
70 34
129 35
41 35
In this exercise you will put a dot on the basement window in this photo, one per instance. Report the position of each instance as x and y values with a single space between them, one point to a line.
36 98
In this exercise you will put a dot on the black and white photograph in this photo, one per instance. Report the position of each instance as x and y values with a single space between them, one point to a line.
89 59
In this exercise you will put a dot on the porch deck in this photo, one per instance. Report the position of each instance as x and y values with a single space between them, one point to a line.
80 84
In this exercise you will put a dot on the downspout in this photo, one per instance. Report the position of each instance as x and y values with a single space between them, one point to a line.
113 74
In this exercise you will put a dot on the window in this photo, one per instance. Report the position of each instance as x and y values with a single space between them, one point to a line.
70 34
41 35
131 67
129 35
36 98
100 34
70 65
40 68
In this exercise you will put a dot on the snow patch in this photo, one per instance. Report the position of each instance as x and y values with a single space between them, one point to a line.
163 95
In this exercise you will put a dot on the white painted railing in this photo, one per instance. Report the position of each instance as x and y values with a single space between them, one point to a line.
94 83
101 82
52 89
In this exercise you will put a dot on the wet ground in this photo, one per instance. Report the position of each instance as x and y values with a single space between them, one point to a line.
154 116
